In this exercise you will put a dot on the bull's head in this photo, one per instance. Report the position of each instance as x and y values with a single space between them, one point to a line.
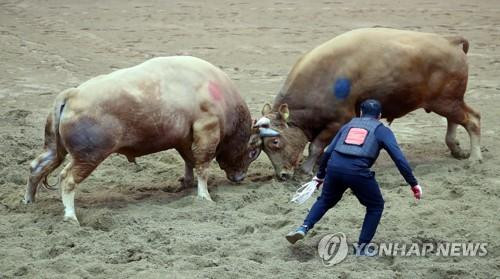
282 143
239 152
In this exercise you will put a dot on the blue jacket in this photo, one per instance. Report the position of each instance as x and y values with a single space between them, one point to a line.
363 141
338 162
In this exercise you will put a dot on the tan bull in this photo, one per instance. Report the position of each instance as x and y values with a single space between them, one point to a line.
404 70
179 102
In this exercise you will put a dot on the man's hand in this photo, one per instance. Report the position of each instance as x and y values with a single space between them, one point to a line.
318 180
417 191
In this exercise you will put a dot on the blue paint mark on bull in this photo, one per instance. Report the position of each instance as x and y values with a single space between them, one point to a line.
341 88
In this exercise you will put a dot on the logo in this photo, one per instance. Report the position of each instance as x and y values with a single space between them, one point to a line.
444 249
333 248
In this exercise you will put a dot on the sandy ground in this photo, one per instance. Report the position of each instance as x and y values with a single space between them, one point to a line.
134 224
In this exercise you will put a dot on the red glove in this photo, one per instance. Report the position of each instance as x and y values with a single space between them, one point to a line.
417 191
318 180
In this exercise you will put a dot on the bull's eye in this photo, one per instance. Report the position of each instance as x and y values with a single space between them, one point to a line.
252 154
274 143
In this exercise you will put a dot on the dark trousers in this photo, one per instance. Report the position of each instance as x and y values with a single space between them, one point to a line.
365 188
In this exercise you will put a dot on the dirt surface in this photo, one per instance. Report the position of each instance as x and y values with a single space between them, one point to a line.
134 223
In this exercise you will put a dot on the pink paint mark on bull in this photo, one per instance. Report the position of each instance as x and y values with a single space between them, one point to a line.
356 136
214 90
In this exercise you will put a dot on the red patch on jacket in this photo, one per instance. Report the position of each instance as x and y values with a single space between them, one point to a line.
356 136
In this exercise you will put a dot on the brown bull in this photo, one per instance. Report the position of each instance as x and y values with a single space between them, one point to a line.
404 70
180 102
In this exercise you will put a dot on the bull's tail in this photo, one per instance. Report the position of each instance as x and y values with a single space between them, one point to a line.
53 143
457 40
54 150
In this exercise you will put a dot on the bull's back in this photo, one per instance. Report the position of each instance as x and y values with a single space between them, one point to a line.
146 108
387 64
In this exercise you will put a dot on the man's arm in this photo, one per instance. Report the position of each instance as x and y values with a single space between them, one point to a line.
389 143
326 156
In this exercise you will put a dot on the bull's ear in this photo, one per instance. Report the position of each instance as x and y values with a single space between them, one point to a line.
254 128
284 112
266 109
254 146
255 141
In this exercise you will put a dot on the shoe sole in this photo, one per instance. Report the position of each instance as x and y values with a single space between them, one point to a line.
294 237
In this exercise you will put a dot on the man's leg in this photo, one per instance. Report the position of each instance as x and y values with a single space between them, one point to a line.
332 192
368 193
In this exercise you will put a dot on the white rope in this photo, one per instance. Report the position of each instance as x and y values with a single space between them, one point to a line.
304 192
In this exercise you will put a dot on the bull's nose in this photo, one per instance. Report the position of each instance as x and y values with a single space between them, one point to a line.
284 176
237 178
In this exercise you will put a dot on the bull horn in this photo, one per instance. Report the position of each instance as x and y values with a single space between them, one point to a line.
268 132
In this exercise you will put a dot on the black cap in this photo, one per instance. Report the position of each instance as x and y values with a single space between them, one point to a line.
371 107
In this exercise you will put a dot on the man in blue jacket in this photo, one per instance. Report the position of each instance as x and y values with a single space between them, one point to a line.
346 164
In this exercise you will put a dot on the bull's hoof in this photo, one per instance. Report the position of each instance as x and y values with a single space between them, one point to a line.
186 183
71 220
460 154
205 197
281 178
28 199
25 201
474 160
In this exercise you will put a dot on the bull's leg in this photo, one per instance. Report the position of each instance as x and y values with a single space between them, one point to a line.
72 175
202 174
461 114
452 142
40 168
188 179
68 186
317 147
472 124
206 138
315 150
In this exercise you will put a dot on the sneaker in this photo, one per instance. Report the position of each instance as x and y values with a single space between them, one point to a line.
297 235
